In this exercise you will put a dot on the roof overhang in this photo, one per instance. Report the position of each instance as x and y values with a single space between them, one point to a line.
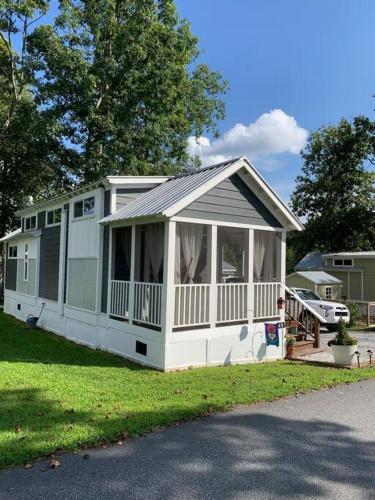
18 234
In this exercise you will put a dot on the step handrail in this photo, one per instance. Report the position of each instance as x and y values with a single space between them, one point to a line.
306 305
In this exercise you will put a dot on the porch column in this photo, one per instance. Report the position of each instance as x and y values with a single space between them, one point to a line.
213 286
282 269
132 276
250 277
168 291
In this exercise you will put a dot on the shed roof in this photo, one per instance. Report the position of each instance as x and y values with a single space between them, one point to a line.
311 261
172 196
318 277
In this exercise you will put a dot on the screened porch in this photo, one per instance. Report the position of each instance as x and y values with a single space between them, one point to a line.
186 275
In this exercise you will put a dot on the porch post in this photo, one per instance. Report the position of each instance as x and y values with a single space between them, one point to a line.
282 270
110 271
213 286
167 303
250 277
132 275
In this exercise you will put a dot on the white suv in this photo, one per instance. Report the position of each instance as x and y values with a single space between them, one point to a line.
331 311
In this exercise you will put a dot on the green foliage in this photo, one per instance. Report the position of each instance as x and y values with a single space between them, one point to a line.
60 395
355 314
335 191
342 337
121 78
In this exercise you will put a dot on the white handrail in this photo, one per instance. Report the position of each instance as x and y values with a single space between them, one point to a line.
305 305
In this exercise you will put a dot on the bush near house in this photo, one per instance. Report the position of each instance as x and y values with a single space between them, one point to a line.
355 313
56 395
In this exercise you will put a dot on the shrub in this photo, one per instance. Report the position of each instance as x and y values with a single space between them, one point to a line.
355 313
342 337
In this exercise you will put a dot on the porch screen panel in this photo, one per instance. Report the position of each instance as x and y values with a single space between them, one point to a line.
267 256
149 257
192 275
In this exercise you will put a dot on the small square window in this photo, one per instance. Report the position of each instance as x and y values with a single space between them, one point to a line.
12 252
348 262
50 218
89 206
30 223
54 217
328 293
78 209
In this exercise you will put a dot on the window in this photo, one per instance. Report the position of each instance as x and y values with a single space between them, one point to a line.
30 223
149 256
267 256
232 255
26 264
343 262
12 252
191 254
84 207
54 217
328 292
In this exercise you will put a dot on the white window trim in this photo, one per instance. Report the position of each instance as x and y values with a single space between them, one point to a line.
10 256
30 228
325 292
54 223
84 216
343 265
26 261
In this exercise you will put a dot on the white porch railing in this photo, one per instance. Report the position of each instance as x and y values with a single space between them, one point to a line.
265 300
231 302
147 303
119 306
191 305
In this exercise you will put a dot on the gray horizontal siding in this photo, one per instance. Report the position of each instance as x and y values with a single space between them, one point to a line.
11 274
231 201
82 283
49 263
125 195
27 287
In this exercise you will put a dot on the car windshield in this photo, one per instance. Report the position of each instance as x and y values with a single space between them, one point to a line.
307 295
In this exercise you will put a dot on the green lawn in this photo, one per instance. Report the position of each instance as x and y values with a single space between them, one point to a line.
57 395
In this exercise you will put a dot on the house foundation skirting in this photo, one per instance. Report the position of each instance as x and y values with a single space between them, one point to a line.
231 344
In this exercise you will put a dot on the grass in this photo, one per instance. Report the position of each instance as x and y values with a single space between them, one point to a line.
55 395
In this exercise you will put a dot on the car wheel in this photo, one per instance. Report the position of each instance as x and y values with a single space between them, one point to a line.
331 328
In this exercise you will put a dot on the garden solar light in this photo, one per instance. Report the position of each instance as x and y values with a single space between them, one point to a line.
369 352
357 353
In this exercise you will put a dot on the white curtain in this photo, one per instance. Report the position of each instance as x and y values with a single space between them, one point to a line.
264 256
154 250
191 238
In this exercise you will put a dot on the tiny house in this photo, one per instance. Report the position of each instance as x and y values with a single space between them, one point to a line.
171 272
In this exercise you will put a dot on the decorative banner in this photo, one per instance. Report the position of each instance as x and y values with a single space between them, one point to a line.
272 334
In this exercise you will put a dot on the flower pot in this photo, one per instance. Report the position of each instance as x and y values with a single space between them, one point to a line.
344 354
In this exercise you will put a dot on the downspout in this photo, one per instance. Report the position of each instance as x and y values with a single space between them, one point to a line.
62 260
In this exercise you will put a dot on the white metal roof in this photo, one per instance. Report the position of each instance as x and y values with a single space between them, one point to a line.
158 200
178 192
11 235
318 277
351 254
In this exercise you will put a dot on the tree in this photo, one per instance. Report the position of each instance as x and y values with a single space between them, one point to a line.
335 191
31 150
122 80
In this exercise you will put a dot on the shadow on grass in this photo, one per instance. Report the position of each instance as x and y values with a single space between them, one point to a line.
20 344
236 455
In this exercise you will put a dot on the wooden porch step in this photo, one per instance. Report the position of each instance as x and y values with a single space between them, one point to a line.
303 347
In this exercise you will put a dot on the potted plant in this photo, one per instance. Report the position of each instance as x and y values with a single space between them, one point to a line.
290 341
343 346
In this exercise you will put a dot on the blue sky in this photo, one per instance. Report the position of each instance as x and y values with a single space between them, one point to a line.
313 59
292 66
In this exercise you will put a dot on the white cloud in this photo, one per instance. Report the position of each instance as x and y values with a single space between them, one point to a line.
272 134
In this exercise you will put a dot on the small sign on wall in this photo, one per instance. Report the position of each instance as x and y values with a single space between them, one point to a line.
272 334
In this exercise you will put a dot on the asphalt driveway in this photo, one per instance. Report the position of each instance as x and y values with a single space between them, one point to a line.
318 445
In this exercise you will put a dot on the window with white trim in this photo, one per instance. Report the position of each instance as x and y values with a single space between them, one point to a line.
26 263
30 223
12 252
53 217
84 207
329 292
343 262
